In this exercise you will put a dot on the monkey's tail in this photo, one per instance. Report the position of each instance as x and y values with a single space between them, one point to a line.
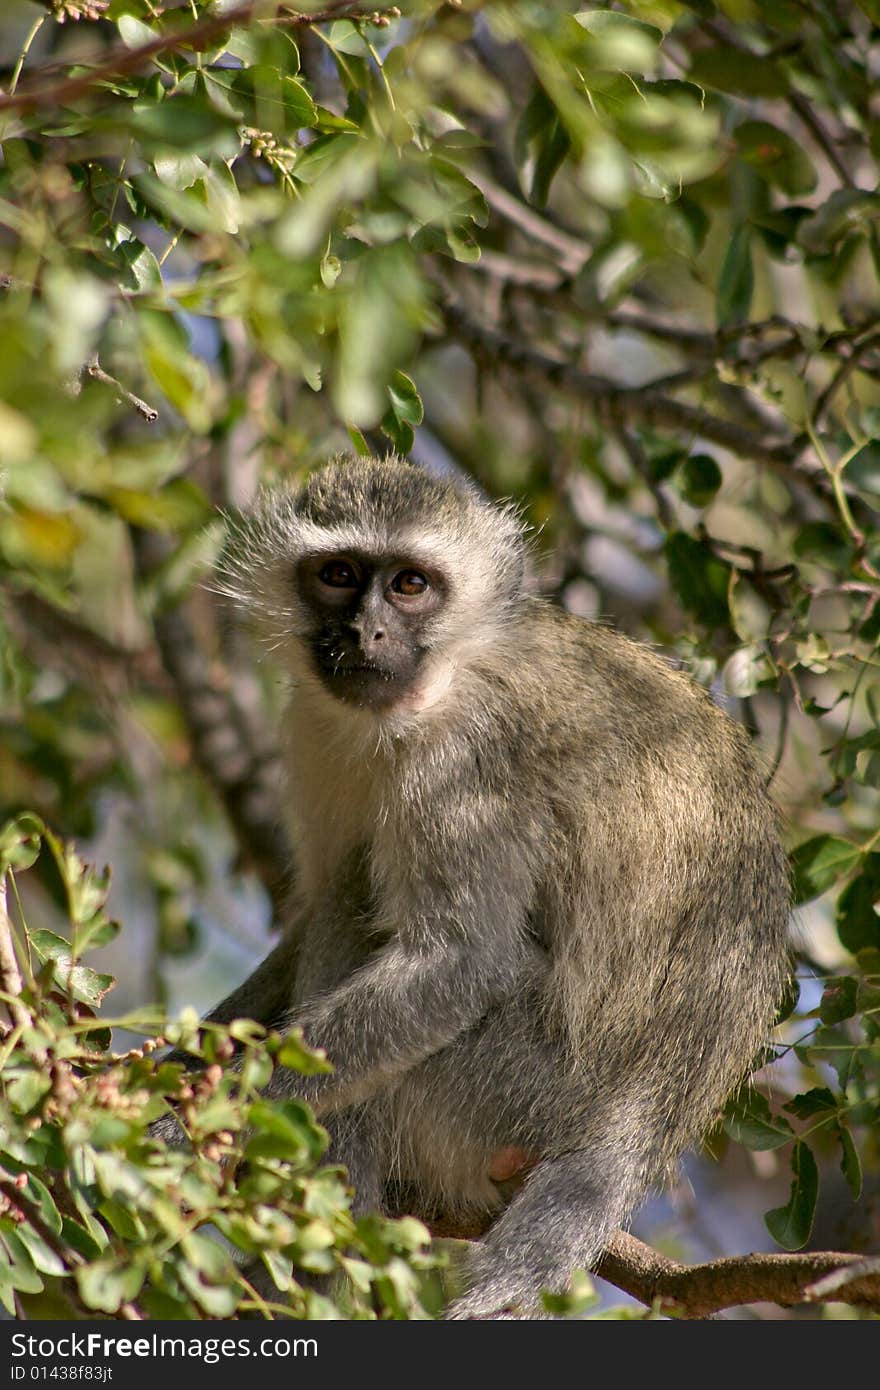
560 1221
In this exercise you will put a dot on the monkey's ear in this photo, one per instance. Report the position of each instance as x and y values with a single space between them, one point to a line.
254 570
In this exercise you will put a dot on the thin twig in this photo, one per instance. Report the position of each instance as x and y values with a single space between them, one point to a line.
10 973
620 404
571 253
97 373
844 372
641 463
807 114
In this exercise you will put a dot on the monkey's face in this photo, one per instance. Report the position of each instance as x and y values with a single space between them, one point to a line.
370 621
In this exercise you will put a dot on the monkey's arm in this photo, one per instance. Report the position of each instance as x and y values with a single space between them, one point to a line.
456 903
398 1009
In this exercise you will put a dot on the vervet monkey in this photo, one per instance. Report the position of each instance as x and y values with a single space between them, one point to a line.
541 901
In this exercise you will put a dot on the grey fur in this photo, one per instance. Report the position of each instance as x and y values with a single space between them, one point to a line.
541 899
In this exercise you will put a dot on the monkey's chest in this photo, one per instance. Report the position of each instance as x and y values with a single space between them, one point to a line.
332 812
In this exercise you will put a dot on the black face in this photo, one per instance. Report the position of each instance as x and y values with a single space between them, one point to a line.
370 616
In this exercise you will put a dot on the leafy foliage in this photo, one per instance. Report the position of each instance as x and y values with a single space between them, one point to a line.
97 1217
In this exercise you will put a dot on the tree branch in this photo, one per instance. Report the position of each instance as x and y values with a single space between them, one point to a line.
571 253
230 752
618 405
123 61
698 1291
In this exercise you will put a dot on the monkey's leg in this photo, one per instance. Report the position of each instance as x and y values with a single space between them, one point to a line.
504 1087
358 1141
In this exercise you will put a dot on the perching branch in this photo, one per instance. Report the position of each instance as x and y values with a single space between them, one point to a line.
698 1291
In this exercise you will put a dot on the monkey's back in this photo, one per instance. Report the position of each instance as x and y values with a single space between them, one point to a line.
665 903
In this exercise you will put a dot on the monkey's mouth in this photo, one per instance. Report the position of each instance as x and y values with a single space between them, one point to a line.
358 668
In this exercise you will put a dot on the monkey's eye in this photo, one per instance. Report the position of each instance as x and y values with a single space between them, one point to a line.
410 582
338 574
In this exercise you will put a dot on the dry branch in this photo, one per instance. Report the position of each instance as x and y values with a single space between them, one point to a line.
618 405
10 974
94 369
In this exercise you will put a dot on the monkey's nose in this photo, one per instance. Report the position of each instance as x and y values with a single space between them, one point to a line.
369 641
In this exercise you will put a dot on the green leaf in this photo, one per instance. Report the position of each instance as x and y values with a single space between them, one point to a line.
361 447
749 1120
819 862
331 269
26 1089
811 1103
850 1163
581 1296
108 1283
84 985
179 170
283 1130
790 1226
19 1271
541 128
277 102
701 479
180 506
294 1052
41 1197
134 33
845 211
746 670
839 999
777 156
217 1300
185 122
405 411
736 280
698 577
43 1256
20 842
618 41
729 70
868 767
139 269
832 1047
79 1239
823 542
856 918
